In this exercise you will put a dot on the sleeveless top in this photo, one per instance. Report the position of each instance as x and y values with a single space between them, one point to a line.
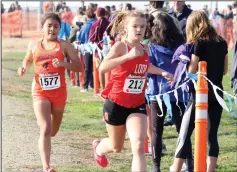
127 82
47 79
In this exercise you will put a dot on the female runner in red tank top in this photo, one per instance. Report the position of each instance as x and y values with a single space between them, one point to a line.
124 107
49 86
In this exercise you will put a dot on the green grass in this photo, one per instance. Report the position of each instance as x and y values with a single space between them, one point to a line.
84 114
19 56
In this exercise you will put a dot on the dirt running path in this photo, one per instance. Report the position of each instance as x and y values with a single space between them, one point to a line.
20 136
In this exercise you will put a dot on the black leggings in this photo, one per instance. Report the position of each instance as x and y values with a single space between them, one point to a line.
214 117
157 128
88 77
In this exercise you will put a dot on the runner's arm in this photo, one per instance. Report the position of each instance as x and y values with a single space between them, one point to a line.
75 64
155 70
28 60
114 58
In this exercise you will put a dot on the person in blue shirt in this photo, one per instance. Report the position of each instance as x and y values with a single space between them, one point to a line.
65 30
180 11
83 38
166 38
63 34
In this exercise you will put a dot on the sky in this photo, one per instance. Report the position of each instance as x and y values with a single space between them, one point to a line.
138 4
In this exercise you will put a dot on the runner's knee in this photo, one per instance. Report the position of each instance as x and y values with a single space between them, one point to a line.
138 147
45 129
54 132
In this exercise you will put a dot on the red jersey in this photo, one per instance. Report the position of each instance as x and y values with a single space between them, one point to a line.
127 82
48 80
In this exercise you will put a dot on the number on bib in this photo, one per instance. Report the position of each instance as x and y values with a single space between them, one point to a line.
49 82
134 86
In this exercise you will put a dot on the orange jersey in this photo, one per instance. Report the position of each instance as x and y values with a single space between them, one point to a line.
48 80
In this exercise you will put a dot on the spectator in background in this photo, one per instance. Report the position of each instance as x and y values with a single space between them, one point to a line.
64 4
65 29
113 13
48 7
67 15
189 6
96 6
233 74
58 7
96 35
12 8
107 11
113 8
156 7
205 10
234 6
181 12
18 7
121 6
2 8
222 23
210 47
127 7
61 5
91 5
74 29
229 27
83 38
165 39
64 34
80 17
99 27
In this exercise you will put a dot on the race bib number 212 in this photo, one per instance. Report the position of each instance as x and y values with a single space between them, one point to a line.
134 85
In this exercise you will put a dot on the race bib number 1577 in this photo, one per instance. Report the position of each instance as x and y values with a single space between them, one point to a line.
50 82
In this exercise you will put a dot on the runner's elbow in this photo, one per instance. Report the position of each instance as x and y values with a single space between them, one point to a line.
102 70
78 67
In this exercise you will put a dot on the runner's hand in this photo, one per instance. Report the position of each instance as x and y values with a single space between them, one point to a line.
135 52
57 63
21 71
167 76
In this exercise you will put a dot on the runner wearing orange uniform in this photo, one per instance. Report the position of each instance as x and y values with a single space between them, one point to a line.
49 86
49 82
